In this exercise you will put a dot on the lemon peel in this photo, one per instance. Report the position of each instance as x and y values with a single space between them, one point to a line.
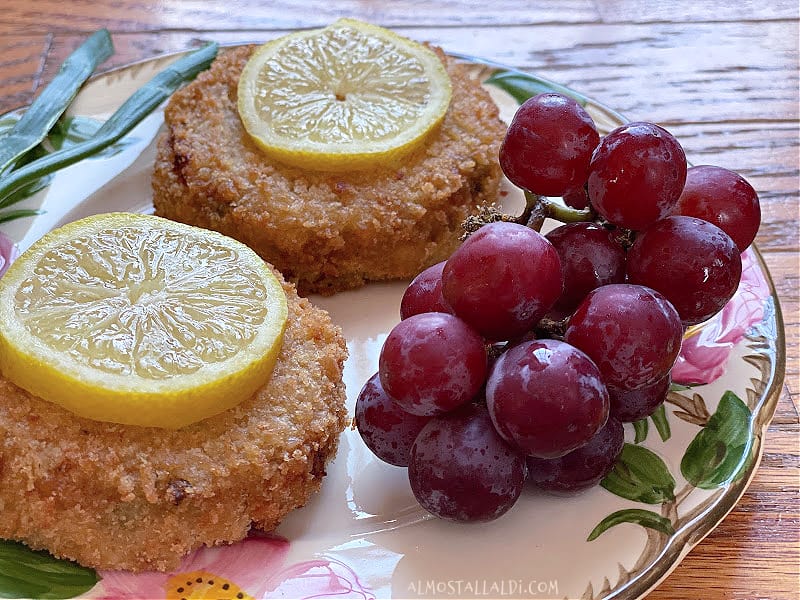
347 97
139 320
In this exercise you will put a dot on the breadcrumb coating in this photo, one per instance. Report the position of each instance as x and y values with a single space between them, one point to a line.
326 231
123 497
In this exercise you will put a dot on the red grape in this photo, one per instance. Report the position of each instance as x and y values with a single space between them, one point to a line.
386 429
591 256
471 393
424 293
633 405
582 468
431 363
460 469
636 175
692 262
577 198
548 145
502 280
631 332
546 398
723 198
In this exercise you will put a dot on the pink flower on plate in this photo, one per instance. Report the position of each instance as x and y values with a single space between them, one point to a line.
249 570
8 252
324 578
706 348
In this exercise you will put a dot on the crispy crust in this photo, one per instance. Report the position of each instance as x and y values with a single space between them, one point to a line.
122 497
326 232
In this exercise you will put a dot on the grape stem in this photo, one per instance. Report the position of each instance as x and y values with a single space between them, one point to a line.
487 213
552 328
538 208
626 237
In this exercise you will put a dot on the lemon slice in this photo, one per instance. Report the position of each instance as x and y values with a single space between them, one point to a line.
139 320
347 97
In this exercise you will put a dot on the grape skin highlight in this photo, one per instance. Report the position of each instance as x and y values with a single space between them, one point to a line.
631 332
432 363
723 198
636 175
582 468
591 257
548 145
633 405
695 264
386 429
462 470
502 280
546 398
424 294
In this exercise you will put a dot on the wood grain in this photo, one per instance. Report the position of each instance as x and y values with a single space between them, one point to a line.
708 11
139 15
721 75
749 74
21 64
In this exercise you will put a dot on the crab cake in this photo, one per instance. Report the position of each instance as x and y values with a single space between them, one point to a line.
326 231
123 497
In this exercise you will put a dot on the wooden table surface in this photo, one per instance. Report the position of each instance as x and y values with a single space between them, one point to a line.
721 75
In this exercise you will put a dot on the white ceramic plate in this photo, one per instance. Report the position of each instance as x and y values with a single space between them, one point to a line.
364 536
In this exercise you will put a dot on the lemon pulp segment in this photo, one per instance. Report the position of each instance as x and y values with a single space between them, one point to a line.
139 320
346 97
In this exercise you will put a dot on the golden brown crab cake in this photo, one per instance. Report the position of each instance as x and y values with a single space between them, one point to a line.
122 497
326 231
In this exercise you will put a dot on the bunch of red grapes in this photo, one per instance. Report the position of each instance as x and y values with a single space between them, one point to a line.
475 396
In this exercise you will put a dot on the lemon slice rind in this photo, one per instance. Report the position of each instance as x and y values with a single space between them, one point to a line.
172 401
295 148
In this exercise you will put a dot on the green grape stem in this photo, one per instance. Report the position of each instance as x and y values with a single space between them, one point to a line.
538 208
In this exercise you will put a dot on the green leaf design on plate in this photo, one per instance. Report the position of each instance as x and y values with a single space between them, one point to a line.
25 573
640 475
720 451
645 518
640 429
681 387
661 421
522 86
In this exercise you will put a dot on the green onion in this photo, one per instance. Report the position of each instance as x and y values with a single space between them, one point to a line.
10 215
137 107
40 117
